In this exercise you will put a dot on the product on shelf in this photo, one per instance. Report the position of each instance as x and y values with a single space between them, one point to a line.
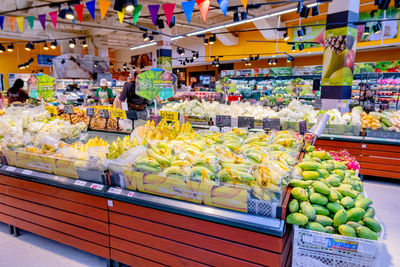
164 130
328 197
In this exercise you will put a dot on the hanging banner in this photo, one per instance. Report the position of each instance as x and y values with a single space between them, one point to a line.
42 19
223 5
121 15
204 5
1 22
168 11
53 16
188 9
31 20
136 13
156 83
104 5
11 20
90 6
20 23
79 11
45 86
153 10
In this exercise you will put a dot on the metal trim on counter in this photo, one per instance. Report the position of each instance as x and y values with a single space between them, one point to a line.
269 226
361 139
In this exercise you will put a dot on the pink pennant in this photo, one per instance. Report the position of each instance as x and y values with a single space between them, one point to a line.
168 11
53 16
204 5
79 11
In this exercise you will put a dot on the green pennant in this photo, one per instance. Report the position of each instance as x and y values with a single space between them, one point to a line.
31 20
136 13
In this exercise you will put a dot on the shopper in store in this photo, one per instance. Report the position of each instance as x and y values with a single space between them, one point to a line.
134 101
16 93
104 93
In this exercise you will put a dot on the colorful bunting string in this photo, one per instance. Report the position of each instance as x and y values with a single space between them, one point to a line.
53 17
42 19
90 6
31 20
188 9
136 13
20 23
11 20
153 10
104 5
168 11
79 11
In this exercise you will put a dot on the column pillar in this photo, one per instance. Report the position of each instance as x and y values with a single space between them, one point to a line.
164 52
340 41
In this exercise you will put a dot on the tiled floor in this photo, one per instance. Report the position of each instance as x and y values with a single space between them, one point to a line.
32 250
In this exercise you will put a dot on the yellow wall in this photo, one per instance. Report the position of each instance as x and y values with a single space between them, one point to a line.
9 61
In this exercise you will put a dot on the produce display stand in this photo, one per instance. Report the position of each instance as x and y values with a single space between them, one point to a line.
377 156
139 229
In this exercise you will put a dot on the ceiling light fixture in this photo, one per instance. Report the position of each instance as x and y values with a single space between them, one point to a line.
145 37
286 36
2 49
69 14
212 39
269 61
289 59
129 5
315 11
45 47
95 64
293 47
301 47
206 41
10 48
29 46
377 28
304 12
72 43
53 45
84 44
274 62
366 30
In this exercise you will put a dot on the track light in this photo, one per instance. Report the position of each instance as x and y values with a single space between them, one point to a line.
160 23
111 65
243 15
301 47
180 51
304 12
95 64
151 37
217 63
270 62
145 37
301 32
69 14
72 43
172 22
366 30
53 45
236 17
396 3
84 43
382 4
187 60
10 48
315 10
2 49
29 46
195 55
293 47
191 60
289 59
62 61
257 57
286 36
212 39
45 47
299 6
274 62
205 41
377 28
129 5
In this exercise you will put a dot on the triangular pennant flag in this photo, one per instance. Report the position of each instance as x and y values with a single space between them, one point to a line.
203 7
104 5
11 20
121 15
188 9
244 2
136 13
31 20
153 9
79 11
223 5
42 19
1 22
168 11
90 6
20 23
53 16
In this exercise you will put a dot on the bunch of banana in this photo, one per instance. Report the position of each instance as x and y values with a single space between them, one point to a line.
164 130
147 164
202 173
93 142
258 139
235 175
162 153
120 146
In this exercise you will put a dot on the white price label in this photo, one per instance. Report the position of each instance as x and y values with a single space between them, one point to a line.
115 191
130 194
364 145
10 169
27 172
80 183
97 186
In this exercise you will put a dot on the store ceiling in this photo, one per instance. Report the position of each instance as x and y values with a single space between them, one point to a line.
110 33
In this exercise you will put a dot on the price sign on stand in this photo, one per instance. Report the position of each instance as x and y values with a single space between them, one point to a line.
223 121
69 110
169 116
104 113
118 113
272 123
90 114
52 110
245 122
302 127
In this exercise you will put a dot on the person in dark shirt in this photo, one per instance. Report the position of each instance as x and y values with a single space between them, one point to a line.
134 101
16 93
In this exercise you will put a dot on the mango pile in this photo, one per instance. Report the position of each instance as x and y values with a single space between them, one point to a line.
327 197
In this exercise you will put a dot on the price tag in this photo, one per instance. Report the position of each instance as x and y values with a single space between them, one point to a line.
116 191
27 172
223 121
302 127
272 123
245 122
90 112
69 110
130 194
10 169
80 183
51 110
118 113
103 113
97 186
169 115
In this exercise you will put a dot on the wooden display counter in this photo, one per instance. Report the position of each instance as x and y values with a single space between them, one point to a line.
139 229
376 159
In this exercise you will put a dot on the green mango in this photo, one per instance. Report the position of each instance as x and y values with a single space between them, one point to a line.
355 214
320 210
363 203
334 207
322 173
347 202
372 224
340 218
347 192
333 180
297 218
347 230
339 172
370 213
324 220
340 165
314 226
365 232
330 230
319 199
300 183
310 175
320 187
333 196
294 206
299 193
353 224
309 166
308 210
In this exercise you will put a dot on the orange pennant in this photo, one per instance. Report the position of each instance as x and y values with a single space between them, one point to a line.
244 2
11 20
203 7
104 5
